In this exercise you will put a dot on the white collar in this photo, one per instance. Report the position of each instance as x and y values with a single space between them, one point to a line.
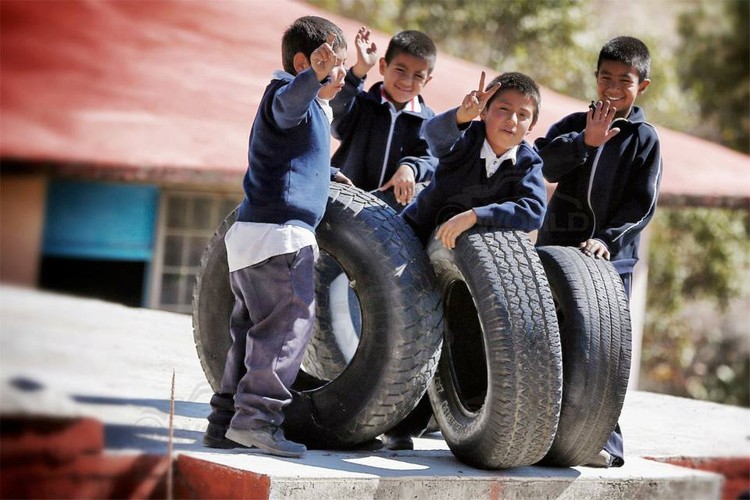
412 105
488 153
493 162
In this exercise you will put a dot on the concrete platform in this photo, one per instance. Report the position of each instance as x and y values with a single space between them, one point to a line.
67 357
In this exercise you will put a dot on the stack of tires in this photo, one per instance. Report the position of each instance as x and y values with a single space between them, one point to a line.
343 398
524 353
497 392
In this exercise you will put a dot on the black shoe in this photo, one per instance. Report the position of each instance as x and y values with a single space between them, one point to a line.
268 438
394 442
215 437
371 445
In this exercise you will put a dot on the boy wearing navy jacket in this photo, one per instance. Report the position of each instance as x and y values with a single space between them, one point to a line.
607 166
381 144
488 174
271 248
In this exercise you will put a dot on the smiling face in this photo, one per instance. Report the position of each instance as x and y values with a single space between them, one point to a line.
336 81
507 119
404 78
618 83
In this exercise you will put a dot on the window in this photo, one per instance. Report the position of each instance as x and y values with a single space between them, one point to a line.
98 239
187 221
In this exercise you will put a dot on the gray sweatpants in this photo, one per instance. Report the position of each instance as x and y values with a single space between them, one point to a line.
271 324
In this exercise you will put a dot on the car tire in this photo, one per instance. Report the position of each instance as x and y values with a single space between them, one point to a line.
339 315
497 391
401 324
595 334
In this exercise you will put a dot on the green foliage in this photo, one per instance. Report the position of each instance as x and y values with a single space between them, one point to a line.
714 62
554 41
702 363
698 267
382 15
505 35
697 253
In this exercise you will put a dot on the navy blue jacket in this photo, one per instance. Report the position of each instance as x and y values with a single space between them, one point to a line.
608 193
289 151
514 197
374 139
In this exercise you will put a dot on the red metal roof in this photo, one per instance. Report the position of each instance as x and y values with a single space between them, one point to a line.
166 90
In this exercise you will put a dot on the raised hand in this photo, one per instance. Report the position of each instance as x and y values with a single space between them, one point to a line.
367 53
324 59
598 121
474 102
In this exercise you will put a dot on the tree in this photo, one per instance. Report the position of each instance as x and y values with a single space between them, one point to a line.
698 266
505 35
714 63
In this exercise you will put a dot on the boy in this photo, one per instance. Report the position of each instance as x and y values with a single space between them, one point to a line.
607 166
271 248
381 146
488 174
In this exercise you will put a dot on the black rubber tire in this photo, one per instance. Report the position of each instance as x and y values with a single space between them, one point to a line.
497 391
401 324
595 334
338 325
339 314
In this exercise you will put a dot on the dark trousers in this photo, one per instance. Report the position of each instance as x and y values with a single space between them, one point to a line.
614 445
271 324
415 423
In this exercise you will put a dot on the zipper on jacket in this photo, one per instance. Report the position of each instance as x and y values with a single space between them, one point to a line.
394 115
591 185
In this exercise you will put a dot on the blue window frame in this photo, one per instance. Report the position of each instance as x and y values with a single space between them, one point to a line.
97 220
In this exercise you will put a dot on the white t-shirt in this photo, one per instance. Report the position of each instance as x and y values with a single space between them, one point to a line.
251 242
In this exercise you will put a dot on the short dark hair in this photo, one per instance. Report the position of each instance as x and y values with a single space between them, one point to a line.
305 35
521 83
627 50
414 43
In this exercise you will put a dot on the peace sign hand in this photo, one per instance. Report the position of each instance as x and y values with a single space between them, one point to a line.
323 59
474 102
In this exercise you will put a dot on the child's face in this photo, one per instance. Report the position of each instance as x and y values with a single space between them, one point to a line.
617 83
336 82
508 119
404 78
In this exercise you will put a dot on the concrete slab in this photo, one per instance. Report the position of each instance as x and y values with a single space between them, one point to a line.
61 355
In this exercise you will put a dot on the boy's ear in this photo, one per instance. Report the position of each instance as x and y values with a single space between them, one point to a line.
300 62
642 86
382 65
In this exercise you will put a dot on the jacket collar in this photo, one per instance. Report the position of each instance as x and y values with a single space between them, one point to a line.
282 75
324 105
412 105
419 109
636 116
